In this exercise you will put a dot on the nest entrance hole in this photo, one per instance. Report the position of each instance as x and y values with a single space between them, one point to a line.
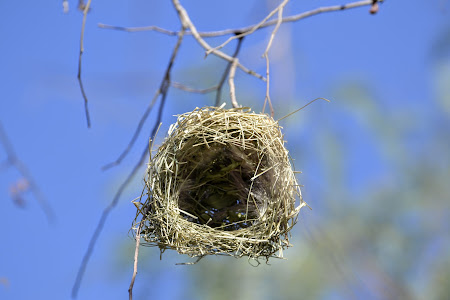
216 185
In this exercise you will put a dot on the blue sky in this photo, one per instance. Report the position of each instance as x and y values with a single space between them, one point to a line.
42 112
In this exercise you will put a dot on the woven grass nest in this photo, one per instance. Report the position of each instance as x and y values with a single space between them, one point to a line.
221 183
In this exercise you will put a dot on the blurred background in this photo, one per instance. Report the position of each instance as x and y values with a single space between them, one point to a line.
375 161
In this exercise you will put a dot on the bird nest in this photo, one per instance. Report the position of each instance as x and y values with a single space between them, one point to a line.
221 183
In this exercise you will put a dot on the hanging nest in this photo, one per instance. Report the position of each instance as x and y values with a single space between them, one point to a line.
221 183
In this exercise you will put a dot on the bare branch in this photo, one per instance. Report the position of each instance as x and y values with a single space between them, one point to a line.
85 11
235 31
227 70
238 34
267 99
231 83
186 21
163 90
217 87
279 9
248 32
136 255
82 6
136 133
13 160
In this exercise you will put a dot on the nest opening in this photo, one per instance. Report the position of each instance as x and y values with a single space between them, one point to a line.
221 183
216 186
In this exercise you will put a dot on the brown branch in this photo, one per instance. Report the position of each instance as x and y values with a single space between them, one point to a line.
217 87
85 11
82 6
13 160
239 34
267 98
227 71
241 30
136 255
136 132
163 90
186 21
280 10
138 231
250 31
234 102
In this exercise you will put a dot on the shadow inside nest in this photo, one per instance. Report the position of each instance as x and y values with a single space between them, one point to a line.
216 186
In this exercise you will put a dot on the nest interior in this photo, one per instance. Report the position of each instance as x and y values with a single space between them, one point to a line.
221 183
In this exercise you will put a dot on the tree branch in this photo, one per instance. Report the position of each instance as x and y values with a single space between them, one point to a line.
13 160
227 71
267 99
235 31
83 25
250 31
234 102
186 21
136 255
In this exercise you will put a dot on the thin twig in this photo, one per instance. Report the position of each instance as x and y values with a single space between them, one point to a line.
13 160
138 231
234 102
279 9
163 90
85 11
186 21
247 32
247 28
217 87
227 70
136 255
82 5
267 99
136 133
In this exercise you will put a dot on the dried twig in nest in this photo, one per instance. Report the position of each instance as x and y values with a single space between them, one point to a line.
221 183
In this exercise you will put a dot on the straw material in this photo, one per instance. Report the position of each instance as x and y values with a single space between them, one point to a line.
221 183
